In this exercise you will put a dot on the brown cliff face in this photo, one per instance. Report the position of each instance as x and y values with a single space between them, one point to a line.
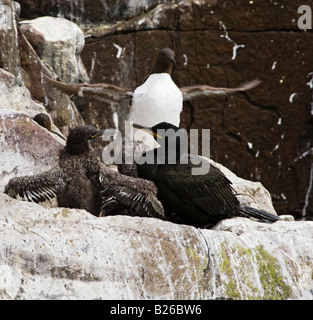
265 134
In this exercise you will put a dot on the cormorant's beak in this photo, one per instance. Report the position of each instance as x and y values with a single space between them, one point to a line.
148 130
97 134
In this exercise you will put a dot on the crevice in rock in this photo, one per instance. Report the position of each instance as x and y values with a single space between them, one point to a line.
270 109
207 268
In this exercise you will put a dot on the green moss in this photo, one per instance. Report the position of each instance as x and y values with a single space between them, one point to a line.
244 251
255 292
231 289
199 262
191 252
225 264
26 126
269 271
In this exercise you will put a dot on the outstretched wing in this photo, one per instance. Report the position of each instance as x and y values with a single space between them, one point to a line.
136 194
100 91
39 187
197 91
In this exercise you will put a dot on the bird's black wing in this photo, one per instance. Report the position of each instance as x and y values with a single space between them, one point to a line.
198 91
100 91
211 192
136 194
39 187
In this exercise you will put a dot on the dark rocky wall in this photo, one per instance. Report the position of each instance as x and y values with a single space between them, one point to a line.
87 12
265 134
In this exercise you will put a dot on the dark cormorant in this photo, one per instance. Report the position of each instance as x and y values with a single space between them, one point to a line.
80 182
198 199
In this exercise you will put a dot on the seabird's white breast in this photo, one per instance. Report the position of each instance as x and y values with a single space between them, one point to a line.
157 100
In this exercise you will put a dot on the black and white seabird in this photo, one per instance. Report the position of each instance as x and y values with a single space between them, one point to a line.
158 99
80 182
198 200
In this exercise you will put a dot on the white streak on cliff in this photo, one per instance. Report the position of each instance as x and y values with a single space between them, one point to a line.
119 50
236 46
308 193
292 96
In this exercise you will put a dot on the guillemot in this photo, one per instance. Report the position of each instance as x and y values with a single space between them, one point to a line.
158 99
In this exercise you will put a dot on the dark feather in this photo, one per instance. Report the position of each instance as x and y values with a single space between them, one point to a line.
258 214
101 91
79 181
212 192
137 195
198 199
198 91
114 94
39 187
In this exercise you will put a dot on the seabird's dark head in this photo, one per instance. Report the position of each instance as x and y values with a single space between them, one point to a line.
43 120
77 140
164 61
173 140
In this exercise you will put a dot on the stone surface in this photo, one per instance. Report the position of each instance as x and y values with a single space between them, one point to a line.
89 12
15 96
255 259
58 42
249 193
9 54
61 109
25 147
69 254
24 69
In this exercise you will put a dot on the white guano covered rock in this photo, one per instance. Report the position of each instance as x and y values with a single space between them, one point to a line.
249 193
58 42
9 54
69 254
26 148
16 97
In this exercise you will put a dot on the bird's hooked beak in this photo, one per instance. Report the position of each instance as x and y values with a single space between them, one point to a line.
148 130
99 133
